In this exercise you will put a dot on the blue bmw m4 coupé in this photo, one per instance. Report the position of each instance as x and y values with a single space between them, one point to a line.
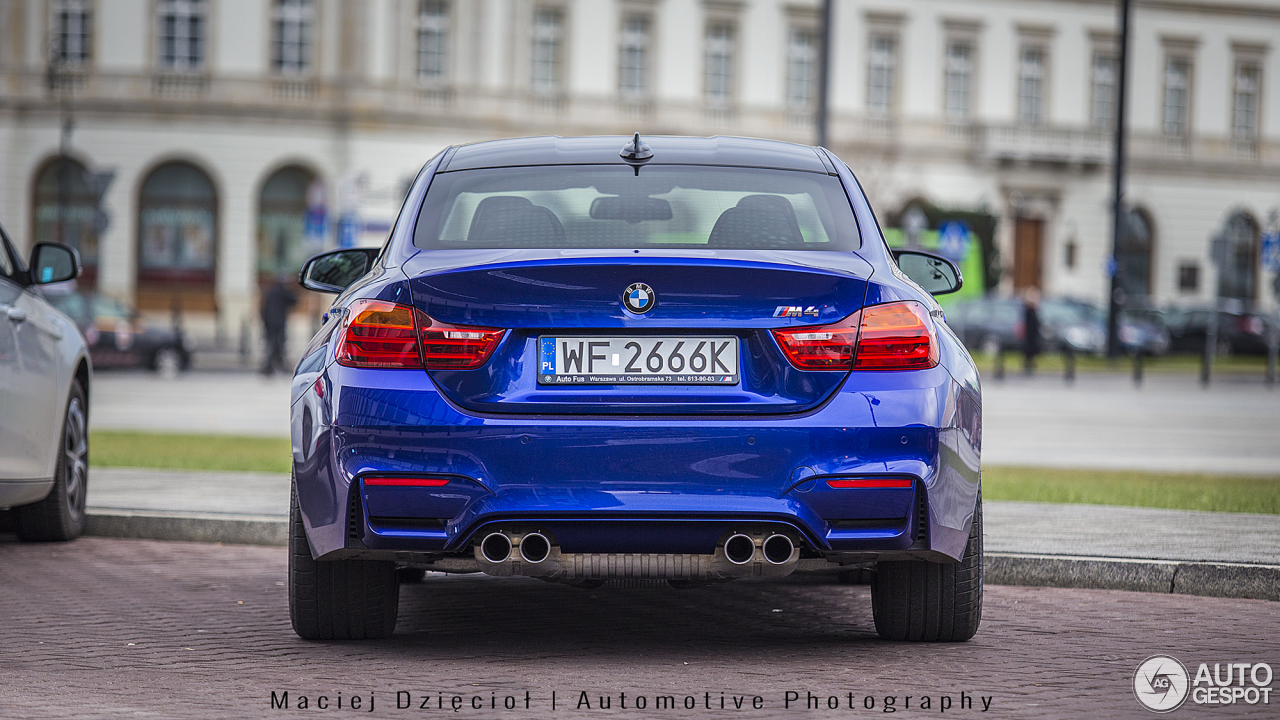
670 359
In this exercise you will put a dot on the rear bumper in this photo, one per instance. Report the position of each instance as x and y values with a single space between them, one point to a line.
643 484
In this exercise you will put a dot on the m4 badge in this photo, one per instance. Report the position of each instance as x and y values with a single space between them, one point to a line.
794 311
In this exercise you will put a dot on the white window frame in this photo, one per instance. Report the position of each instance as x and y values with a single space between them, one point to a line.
1104 79
1032 77
1176 96
433 36
71 32
293 34
1246 100
182 35
720 60
958 74
635 41
882 61
802 67
547 56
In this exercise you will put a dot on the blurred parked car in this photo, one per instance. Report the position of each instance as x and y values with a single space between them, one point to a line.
1240 332
1064 323
44 398
119 337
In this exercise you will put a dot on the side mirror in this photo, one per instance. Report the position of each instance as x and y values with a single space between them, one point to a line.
53 263
334 271
936 274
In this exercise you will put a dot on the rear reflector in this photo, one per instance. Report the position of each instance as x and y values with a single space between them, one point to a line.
406 482
893 336
379 334
871 483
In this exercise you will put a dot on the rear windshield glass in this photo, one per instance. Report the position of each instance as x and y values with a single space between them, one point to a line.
575 206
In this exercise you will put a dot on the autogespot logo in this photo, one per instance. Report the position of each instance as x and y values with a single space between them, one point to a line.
1160 683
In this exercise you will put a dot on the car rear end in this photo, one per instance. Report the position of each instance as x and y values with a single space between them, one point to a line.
682 372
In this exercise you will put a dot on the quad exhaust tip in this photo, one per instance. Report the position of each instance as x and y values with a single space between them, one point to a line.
739 549
534 548
496 547
778 548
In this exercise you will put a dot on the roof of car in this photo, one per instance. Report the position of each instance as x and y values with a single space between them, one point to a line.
667 150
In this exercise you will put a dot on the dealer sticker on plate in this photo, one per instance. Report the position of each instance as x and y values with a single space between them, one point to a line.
633 360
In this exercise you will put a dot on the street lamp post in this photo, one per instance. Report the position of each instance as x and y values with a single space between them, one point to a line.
1117 227
824 74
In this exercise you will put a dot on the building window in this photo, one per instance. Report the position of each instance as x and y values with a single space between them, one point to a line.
433 40
802 53
1177 86
1031 85
1238 270
1134 257
291 222
66 209
880 68
720 55
959 79
177 236
548 49
1188 277
1244 125
292 32
72 37
1105 67
181 34
633 57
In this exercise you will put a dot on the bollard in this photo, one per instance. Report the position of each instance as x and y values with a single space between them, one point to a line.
1137 368
999 363
1069 364
1273 349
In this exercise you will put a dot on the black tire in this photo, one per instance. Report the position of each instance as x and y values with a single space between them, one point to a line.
925 601
60 516
338 599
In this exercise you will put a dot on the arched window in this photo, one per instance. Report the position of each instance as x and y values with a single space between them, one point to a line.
1238 270
1134 259
177 235
291 218
65 212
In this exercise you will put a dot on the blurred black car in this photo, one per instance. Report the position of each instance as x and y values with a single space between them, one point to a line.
1065 323
118 337
1240 332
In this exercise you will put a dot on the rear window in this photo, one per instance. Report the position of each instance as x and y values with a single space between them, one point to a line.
611 206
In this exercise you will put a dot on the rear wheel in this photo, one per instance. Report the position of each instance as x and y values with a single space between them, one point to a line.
930 602
338 599
60 516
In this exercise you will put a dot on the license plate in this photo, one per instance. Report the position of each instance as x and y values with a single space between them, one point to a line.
638 360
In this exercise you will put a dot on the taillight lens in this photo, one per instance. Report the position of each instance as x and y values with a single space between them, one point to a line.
893 336
870 483
380 334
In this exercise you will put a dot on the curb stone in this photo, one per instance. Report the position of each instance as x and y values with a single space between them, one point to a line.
1230 580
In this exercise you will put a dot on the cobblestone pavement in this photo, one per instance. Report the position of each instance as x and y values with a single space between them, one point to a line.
130 628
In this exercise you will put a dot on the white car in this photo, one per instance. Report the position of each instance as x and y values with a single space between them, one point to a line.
45 374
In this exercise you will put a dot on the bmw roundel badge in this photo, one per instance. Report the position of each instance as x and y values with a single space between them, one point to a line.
639 298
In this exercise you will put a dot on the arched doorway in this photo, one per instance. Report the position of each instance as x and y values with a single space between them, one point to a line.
1134 258
1237 269
177 239
291 220
65 209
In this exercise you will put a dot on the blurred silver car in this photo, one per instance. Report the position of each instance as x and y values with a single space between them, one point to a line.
45 374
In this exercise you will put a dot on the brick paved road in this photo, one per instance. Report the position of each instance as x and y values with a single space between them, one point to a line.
116 628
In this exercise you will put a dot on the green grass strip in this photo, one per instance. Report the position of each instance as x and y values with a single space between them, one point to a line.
1217 493
114 448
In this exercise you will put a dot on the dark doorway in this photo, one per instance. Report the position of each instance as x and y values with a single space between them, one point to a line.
1027 247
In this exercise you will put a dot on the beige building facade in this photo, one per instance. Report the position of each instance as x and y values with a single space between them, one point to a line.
234 137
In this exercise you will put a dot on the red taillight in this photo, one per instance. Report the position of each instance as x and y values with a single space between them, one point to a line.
456 347
896 336
380 334
893 336
828 347
870 483
400 481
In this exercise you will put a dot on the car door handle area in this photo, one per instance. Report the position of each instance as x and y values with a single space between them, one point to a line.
16 314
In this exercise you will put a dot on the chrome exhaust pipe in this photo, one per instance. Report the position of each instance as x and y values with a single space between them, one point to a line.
496 547
778 548
739 549
534 548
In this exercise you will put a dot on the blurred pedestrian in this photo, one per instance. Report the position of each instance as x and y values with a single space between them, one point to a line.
276 304
1030 329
